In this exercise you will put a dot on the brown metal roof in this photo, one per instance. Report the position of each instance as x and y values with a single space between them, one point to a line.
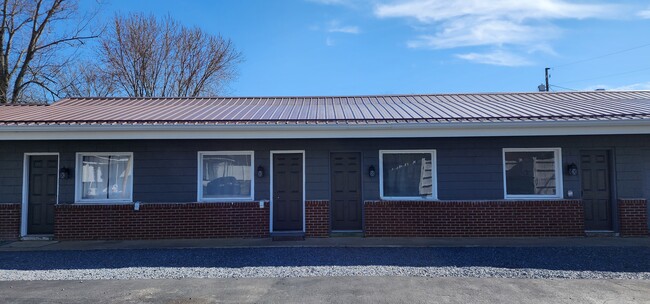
435 108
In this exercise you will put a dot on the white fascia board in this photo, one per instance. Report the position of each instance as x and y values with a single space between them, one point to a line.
419 130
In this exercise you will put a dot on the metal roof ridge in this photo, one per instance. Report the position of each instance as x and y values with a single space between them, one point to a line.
354 96
24 104
325 119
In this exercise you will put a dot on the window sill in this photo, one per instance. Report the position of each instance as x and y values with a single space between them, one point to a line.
532 198
419 199
227 200
103 202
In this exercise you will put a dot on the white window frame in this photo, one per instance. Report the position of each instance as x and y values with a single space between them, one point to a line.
559 190
78 176
199 177
434 175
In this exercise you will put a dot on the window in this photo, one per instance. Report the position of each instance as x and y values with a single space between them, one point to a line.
532 173
408 174
104 177
225 176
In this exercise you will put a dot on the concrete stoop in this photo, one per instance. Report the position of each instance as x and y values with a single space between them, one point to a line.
287 236
601 233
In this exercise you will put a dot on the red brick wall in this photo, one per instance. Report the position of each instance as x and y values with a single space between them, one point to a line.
633 217
9 221
474 218
317 218
161 221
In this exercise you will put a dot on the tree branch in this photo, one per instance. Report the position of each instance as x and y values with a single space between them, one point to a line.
76 38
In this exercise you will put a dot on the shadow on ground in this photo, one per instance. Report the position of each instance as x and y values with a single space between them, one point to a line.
616 259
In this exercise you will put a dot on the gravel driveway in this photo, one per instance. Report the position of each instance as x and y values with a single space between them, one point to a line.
479 262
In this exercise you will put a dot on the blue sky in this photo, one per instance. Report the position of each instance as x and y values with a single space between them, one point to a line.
354 47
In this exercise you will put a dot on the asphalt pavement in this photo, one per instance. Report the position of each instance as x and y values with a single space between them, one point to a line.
508 270
331 242
329 290
608 259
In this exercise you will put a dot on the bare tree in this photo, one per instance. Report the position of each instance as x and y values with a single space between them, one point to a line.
85 78
34 38
146 57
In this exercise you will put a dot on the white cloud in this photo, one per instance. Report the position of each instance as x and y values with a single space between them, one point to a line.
335 26
629 87
541 48
462 23
495 23
498 57
345 29
475 32
441 10
645 14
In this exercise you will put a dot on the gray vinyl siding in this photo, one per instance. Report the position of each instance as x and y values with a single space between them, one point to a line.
467 168
646 174
11 173
317 183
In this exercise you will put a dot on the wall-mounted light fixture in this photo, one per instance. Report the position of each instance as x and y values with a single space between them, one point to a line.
572 169
371 171
260 171
64 173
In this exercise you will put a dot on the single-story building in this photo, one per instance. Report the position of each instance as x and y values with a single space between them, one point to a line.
442 165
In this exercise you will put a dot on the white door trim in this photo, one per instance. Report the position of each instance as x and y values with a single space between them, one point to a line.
304 169
25 196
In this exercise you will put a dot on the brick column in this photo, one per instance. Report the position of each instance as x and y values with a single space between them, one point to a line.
317 218
633 217
10 221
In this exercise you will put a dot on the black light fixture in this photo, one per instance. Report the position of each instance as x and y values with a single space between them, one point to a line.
260 171
64 173
572 169
371 171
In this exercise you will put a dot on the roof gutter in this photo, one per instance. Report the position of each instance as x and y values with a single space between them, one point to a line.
292 131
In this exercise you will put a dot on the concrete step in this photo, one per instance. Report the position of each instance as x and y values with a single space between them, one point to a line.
288 236
346 234
601 233
37 237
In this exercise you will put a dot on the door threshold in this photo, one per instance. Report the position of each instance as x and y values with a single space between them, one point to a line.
346 233
287 236
37 237
601 233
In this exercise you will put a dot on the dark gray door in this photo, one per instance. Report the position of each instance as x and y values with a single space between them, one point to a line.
596 189
43 175
287 192
346 191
